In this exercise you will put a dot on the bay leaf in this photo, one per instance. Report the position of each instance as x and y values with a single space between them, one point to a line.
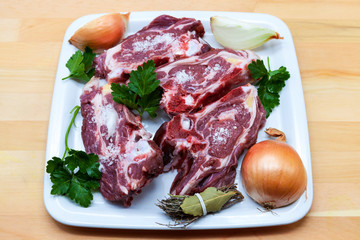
214 200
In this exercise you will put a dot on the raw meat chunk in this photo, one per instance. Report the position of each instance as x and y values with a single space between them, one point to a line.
191 83
129 159
164 40
204 147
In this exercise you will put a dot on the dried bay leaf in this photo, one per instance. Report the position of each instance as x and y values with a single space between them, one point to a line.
213 198
172 205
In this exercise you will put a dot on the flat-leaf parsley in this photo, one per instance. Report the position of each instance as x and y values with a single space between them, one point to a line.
270 83
76 174
80 65
142 93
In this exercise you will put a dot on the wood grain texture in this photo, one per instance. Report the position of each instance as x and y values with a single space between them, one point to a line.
327 38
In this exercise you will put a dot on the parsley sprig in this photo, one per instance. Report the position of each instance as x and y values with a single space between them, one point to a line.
142 93
76 174
80 65
270 83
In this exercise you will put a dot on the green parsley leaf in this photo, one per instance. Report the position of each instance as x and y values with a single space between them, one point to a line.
71 162
75 62
54 164
269 100
258 70
274 86
151 102
76 185
279 75
122 94
88 58
143 80
61 179
79 193
142 93
80 65
270 83
77 174
86 181
90 73
87 163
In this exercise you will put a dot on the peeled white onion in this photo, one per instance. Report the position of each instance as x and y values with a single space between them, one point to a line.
239 35
272 173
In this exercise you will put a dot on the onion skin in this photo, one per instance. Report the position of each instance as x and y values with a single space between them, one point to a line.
273 174
101 33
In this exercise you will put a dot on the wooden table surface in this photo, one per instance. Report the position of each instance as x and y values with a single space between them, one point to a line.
327 42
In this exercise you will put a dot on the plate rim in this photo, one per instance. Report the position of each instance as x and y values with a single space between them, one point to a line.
50 200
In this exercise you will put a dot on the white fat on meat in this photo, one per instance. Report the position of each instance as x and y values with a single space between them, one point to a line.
217 67
110 117
189 100
220 136
142 147
185 123
167 96
149 42
182 77
110 62
97 105
188 47
228 115
193 47
117 71
183 143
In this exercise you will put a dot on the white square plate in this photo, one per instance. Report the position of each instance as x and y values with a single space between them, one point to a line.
290 117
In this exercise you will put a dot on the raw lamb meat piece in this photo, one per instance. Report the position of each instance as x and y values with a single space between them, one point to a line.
204 147
129 159
191 83
164 40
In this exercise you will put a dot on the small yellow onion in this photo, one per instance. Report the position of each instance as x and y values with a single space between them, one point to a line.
272 172
101 33
239 35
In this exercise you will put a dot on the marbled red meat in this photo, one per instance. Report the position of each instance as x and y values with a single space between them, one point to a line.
205 146
164 40
191 83
128 157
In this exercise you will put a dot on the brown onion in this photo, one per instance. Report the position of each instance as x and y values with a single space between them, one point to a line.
272 172
101 33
